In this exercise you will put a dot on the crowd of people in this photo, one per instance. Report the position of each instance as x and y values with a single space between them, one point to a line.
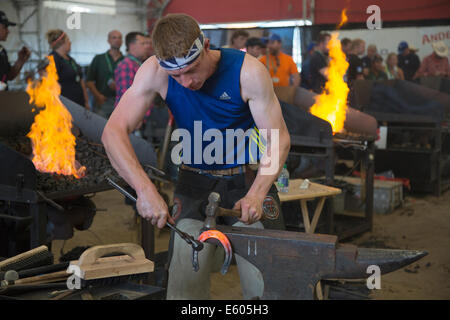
364 63
111 73
370 65
108 76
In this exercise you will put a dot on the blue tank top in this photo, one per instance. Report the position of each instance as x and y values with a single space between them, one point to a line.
216 129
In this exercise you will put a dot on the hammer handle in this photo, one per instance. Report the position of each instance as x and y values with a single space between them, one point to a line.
229 212
232 213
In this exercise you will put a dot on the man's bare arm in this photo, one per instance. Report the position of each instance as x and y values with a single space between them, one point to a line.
125 118
258 89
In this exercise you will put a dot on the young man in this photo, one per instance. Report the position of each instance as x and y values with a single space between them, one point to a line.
238 39
319 64
100 77
346 43
280 65
138 50
8 72
254 46
221 91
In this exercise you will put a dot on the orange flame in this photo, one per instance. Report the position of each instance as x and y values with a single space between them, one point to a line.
51 135
331 105
344 18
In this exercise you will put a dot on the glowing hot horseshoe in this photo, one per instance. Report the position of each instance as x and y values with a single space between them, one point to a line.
216 234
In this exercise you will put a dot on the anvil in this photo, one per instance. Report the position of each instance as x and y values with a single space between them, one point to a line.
292 263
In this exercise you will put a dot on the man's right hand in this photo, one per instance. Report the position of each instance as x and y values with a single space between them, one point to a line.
100 99
152 207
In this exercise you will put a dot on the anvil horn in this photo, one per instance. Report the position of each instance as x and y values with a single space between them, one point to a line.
352 262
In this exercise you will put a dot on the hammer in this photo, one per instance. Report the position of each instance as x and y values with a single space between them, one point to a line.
213 210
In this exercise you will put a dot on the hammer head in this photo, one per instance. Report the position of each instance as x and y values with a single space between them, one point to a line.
211 209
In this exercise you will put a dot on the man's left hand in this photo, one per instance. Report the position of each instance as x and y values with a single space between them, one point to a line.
251 208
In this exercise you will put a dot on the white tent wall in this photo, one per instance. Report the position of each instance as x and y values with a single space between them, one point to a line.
87 41
91 38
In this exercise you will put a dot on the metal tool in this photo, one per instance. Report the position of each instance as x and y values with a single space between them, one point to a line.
196 245
212 212
291 263
296 258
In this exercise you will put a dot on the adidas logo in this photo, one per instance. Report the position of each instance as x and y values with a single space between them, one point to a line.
224 96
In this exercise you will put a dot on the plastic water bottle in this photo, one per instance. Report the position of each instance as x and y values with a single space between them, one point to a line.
283 180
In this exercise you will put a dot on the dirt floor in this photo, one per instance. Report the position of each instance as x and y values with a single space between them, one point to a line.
423 223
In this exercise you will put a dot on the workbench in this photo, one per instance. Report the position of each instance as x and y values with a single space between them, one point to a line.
313 192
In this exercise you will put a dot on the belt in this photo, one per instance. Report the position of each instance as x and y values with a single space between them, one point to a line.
223 172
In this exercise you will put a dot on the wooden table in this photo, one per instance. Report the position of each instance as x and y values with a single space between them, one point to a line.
314 191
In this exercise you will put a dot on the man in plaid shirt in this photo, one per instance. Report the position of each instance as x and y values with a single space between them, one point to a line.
137 49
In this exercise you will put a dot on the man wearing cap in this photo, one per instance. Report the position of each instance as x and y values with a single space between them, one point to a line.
8 72
408 61
213 95
435 64
280 65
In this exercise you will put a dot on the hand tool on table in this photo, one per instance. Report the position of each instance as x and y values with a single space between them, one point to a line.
195 244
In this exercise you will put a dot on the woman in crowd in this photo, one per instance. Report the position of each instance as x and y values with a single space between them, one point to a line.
69 72
392 70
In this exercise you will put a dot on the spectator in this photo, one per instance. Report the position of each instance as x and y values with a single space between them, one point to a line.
377 69
70 75
148 47
346 43
8 72
306 70
435 64
319 64
408 61
355 68
367 60
253 46
392 70
280 65
100 77
137 51
238 39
